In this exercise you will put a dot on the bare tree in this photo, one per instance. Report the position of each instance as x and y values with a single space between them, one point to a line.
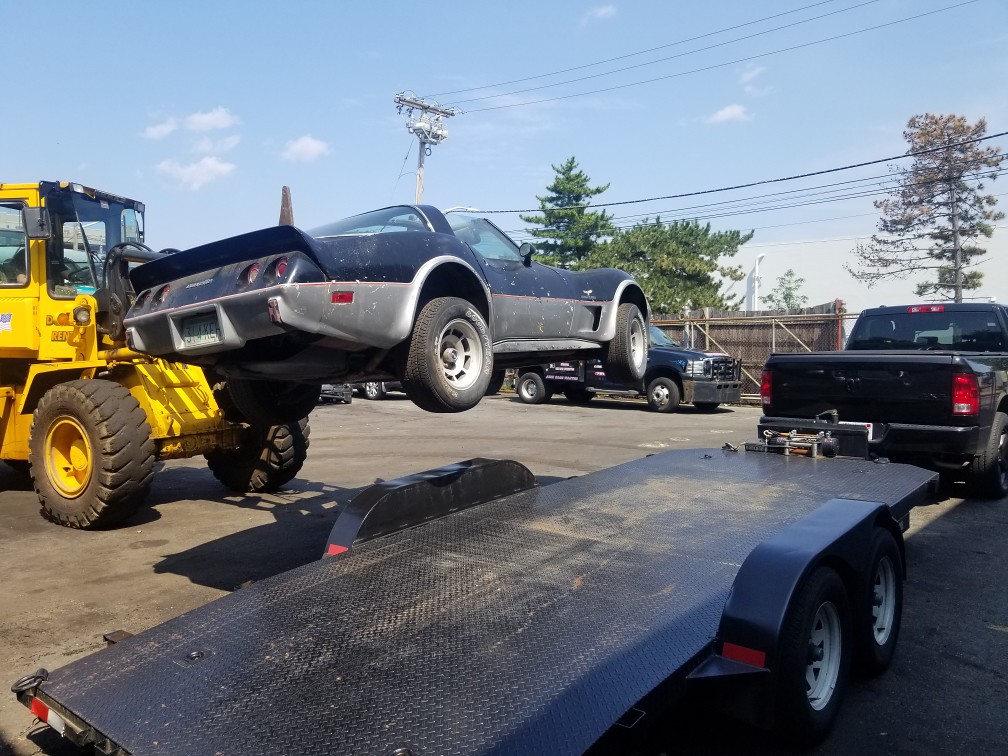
936 211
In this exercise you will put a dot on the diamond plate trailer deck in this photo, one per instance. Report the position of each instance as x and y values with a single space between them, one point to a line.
560 619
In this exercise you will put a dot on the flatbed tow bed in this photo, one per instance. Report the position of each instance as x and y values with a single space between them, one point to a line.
560 619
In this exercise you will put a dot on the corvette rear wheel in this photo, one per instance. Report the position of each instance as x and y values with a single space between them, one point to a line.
627 353
449 361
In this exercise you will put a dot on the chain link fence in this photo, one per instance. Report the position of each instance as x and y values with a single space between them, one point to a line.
754 336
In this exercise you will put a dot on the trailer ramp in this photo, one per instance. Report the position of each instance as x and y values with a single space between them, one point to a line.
527 625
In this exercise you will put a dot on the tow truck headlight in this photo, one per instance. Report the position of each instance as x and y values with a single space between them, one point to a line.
698 368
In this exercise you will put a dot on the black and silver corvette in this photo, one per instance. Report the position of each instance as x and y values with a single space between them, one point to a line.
436 301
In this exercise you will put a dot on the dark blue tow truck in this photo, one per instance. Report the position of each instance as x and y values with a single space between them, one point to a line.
467 610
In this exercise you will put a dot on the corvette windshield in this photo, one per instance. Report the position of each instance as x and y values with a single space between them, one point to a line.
386 220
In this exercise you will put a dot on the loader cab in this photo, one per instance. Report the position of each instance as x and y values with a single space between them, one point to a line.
13 248
84 226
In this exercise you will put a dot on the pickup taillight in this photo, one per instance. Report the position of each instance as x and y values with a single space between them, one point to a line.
965 394
766 384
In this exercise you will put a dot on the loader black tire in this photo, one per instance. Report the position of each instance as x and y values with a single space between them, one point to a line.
266 403
92 453
267 459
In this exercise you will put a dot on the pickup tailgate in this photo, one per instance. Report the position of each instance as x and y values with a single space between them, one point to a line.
865 386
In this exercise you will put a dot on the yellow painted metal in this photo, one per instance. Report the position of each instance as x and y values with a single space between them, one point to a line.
69 458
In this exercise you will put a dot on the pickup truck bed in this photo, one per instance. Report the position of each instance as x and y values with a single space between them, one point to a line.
530 624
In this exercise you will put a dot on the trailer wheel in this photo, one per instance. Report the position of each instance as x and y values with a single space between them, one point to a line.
450 358
578 395
878 608
663 395
531 388
267 459
626 355
266 403
92 453
989 473
814 661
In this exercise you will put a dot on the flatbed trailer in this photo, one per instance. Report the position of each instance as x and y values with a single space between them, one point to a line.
559 619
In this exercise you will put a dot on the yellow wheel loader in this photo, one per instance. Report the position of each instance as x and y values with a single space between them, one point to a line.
85 415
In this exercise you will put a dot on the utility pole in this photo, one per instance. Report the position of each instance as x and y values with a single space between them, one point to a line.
425 120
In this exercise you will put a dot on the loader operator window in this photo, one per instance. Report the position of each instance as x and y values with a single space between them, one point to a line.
13 248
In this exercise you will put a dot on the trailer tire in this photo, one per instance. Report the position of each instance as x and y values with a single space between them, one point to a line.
989 473
531 388
878 607
578 395
92 453
814 659
496 382
266 403
626 355
266 460
450 358
663 395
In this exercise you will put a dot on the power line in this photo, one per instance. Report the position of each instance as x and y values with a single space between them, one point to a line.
720 65
670 57
634 54
764 182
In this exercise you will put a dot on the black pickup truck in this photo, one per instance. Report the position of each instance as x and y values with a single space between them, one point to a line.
926 384
673 374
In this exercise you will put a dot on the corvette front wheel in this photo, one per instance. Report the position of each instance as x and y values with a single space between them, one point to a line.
449 362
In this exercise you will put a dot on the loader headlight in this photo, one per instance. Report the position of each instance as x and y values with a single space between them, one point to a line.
82 315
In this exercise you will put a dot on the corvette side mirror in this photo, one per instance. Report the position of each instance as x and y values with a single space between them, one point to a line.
526 250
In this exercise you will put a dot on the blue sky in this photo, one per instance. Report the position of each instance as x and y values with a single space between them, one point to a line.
204 110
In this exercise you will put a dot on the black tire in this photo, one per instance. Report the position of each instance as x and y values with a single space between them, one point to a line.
706 406
663 395
449 359
578 395
809 690
266 403
878 607
374 390
92 453
988 476
266 460
496 382
627 354
531 388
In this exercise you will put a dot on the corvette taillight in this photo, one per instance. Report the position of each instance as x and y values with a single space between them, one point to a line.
160 296
276 270
965 394
249 275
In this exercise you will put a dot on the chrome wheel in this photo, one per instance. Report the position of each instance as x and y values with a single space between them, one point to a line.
461 354
659 396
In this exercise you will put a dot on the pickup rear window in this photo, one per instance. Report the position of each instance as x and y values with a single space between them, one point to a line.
956 330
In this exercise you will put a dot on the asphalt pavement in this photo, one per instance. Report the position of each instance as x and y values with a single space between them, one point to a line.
196 541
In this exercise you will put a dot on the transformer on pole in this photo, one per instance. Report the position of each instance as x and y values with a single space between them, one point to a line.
425 120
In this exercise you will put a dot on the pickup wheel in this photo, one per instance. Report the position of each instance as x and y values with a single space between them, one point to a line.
266 459
450 359
374 390
663 395
266 403
627 354
989 473
878 607
531 388
814 660
578 395
92 453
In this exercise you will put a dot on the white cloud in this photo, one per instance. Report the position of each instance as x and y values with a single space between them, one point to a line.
208 145
751 73
218 118
731 113
305 149
194 175
598 13
161 130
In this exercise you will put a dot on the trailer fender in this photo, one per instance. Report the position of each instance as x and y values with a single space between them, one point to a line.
746 650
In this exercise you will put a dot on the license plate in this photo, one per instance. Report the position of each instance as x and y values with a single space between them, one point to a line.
859 425
201 330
